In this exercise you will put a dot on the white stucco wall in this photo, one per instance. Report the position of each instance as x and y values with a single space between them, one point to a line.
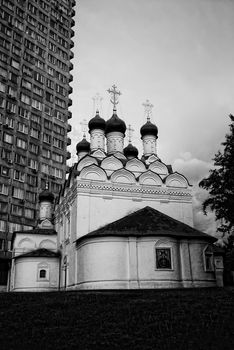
27 242
115 262
26 274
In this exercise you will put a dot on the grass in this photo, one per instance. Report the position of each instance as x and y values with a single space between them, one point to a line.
146 319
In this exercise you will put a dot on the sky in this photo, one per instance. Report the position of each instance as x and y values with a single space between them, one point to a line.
179 54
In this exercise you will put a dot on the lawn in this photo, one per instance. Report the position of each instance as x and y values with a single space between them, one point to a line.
145 319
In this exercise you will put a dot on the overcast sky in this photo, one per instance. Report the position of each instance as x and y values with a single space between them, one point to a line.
179 54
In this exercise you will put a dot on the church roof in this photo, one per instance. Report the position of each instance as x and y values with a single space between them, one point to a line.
148 222
42 252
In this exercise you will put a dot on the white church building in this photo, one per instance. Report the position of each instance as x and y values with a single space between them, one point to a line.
121 222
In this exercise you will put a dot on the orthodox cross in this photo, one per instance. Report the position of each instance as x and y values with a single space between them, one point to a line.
114 95
130 132
148 109
84 126
97 101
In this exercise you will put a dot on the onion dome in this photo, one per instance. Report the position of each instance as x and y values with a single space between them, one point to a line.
97 123
83 146
149 129
115 124
46 195
130 151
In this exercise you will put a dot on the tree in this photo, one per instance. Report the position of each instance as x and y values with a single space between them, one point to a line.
220 185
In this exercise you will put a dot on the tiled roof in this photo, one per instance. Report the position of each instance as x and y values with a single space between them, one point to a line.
148 222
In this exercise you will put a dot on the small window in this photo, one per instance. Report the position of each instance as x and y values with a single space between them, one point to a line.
208 259
42 274
163 258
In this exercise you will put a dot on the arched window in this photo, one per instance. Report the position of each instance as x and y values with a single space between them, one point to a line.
163 258
42 273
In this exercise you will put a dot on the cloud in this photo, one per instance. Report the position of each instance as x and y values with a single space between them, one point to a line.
196 169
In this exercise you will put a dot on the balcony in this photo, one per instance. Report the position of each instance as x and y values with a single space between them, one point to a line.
71 55
69 116
71 66
72 22
73 3
69 128
68 141
69 102
72 44
73 12
70 90
72 33
70 78
68 155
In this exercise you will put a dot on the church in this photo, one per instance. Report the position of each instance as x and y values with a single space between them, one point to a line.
121 222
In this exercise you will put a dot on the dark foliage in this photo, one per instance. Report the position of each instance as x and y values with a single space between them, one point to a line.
220 184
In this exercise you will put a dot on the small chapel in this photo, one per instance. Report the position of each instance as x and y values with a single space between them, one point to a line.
121 221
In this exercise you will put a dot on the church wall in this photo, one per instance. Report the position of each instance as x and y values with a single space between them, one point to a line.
26 275
130 263
99 210
102 263
28 242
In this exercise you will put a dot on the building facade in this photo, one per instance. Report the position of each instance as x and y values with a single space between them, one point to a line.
35 65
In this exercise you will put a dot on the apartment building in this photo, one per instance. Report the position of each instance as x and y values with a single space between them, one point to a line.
35 73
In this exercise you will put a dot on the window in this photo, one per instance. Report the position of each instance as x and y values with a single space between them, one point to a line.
57 172
163 258
57 157
16 210
3 72
5 171
23 128
19 159
42 274
32 180
14 227
47 124
31 196
24 113
19 175
16 50
46 153
2 225
27 71
208 259
25 99
45 168
29 213
9 122
12 92
27 85
35 118
33 148
39 64
8 138
46 138
3 207
35 133
4 189
17 37
18 193
58 143
11 107
61 103
21 143
15 64
48 111
39 77
19 24
33 164
36 104
2 87
2 102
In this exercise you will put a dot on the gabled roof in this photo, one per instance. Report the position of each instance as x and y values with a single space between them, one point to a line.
148 222
42 252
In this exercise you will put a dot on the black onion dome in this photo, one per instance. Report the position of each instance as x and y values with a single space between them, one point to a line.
83 146
46 195
149 129
97 123
115 124
130 150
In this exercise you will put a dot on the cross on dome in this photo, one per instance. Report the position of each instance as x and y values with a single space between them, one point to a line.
148 109
84 125
130 133
97 102
114 95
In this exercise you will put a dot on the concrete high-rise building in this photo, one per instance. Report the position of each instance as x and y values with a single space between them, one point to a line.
35 64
